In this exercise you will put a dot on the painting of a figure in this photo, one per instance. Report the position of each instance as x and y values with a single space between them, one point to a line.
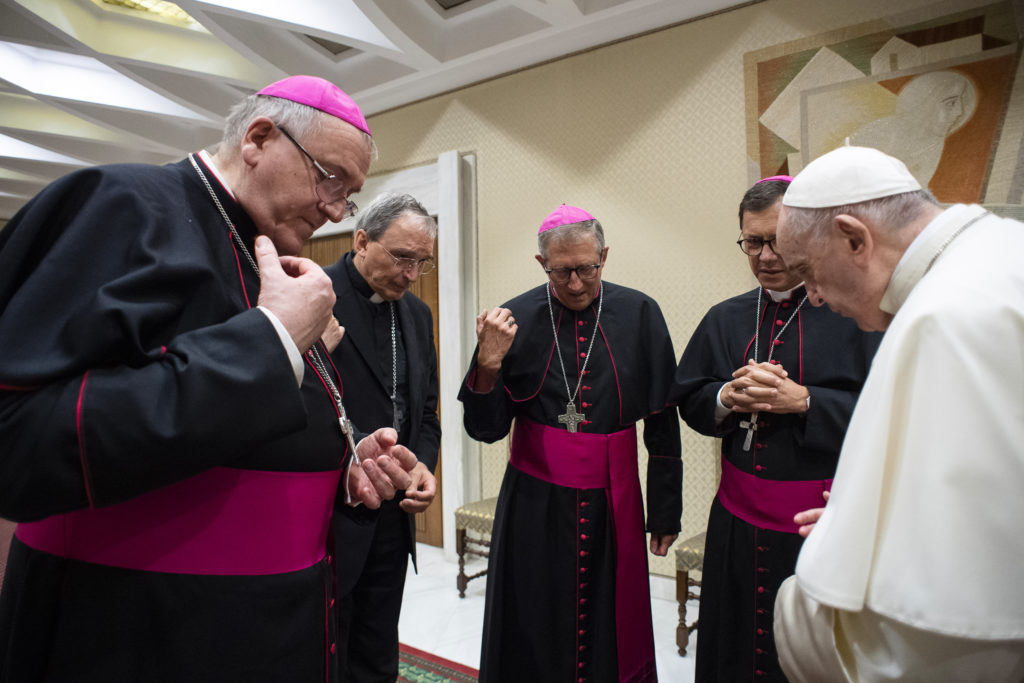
928 108
935 92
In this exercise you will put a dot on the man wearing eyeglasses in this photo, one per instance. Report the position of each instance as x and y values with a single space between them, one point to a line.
776 379
576 363
173 434
388 353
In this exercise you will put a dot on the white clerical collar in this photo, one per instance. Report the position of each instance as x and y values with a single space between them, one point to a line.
782 296
208 160
923 251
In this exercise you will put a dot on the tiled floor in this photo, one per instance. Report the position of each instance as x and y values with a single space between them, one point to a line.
436 620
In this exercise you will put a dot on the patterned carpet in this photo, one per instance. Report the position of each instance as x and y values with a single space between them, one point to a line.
417 666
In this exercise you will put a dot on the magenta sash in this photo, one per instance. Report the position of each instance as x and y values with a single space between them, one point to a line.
768 503
607 461
224 521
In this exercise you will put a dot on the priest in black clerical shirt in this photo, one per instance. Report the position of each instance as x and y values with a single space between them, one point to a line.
576 362
776 379
387 353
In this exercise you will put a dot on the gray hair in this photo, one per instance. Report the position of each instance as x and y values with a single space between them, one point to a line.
301 120
388 207
571 232
886 213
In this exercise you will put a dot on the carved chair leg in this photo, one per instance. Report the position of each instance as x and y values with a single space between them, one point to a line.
682 592
460 547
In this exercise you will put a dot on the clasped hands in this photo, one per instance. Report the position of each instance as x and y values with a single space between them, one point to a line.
386 467
764 387
300 294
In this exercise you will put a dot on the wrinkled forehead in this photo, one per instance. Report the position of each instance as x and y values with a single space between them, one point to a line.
570 245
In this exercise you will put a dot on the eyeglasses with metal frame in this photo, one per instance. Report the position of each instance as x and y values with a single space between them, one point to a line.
422 266
330 189
563 275
752 246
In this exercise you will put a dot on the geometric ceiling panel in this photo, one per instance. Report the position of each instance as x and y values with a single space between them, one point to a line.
98 81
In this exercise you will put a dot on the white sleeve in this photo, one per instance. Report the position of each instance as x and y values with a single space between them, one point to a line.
721 412
294 355
805 637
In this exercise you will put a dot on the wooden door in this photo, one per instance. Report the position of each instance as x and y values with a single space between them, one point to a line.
327 250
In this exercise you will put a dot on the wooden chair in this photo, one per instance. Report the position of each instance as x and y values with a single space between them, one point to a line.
689 557
477 517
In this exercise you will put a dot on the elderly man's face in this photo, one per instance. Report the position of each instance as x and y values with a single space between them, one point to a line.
404 240
576 293
284 203
833 275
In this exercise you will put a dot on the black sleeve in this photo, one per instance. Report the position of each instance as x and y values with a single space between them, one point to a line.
429 442
93 411
664 473
702 370
487 417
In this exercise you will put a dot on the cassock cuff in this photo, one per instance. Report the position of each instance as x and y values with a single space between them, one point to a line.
721 412
294 355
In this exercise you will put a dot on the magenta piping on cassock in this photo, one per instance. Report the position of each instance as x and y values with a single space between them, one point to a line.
768 503
224 521
607 461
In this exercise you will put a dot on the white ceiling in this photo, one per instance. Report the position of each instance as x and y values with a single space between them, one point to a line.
82 83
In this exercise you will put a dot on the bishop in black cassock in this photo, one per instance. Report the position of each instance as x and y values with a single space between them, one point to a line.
172 463
567 588
776 461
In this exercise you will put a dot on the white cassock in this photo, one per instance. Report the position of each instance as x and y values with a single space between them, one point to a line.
915 572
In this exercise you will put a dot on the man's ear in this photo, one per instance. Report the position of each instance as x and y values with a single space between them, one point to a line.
260 131
540 260
855 237
604 255
360 241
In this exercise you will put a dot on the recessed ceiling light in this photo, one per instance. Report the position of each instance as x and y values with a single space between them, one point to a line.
338 17
167 12
83 79
18 149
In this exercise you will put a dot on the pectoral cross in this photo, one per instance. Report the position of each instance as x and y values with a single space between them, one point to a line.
570 418
751 427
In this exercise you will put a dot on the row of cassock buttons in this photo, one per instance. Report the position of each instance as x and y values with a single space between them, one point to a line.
583 590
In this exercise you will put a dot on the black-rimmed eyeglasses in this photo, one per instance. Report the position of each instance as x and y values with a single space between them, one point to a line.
404 263
752 246
563 275
330 189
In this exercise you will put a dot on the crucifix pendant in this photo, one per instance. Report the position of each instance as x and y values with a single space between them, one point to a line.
570 418
751 427
396 420
346 429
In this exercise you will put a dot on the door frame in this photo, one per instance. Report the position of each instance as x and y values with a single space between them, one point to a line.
447 189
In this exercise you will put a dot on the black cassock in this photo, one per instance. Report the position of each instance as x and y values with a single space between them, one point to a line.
531 629
744 564
133 358
371 572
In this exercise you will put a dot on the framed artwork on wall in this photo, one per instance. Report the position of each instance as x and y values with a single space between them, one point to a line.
941 90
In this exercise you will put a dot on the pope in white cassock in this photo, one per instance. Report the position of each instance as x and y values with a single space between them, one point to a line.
913 571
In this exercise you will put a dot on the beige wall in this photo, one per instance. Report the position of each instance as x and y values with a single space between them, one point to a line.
649 135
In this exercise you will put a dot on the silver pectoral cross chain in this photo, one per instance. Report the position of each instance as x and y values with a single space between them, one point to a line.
751 424
570 418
